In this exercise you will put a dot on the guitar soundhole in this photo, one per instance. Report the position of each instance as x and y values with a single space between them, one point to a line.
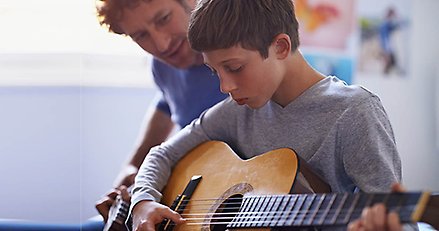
225 213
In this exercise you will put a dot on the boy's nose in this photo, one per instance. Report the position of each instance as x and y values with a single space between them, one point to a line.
227 85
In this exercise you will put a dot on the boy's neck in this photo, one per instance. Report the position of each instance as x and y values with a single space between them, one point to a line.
299 76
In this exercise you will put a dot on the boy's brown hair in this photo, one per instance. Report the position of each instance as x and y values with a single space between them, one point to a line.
110 12
220 24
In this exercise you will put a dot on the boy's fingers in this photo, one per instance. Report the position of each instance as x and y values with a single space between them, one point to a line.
379 217
397 187
176 217
354 226
393 222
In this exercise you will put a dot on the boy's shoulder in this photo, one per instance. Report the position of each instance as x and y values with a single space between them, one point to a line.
334 92
334 87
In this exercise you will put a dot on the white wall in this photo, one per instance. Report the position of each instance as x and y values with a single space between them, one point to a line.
411 102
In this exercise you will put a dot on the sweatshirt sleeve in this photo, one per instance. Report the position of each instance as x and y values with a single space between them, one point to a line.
369 152
157 166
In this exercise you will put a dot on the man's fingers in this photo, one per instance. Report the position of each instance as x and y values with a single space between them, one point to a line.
103 207
124 194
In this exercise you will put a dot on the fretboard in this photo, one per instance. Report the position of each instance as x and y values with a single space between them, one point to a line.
317 210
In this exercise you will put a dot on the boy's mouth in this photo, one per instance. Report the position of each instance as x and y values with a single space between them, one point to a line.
241 101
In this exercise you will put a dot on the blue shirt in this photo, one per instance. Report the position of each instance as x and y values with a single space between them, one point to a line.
185 92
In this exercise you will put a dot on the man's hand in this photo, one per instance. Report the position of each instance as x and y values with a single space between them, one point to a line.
375 218
104 204
126 176
146 214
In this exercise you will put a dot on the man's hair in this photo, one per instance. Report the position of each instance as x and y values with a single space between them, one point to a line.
252 24
110 12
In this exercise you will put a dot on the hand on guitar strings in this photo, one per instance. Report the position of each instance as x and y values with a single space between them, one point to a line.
147 214
376 218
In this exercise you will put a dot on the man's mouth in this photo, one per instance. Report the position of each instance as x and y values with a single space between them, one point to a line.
175 49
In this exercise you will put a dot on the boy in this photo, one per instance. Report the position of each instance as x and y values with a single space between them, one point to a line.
276 100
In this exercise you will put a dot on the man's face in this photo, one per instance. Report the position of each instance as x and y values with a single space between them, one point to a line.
160 28
245 75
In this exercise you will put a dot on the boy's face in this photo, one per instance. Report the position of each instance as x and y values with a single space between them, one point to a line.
245 74
160 28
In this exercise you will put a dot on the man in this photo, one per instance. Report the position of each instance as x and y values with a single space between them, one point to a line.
187 88
277 100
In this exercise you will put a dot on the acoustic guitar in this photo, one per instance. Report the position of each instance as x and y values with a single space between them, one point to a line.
213 189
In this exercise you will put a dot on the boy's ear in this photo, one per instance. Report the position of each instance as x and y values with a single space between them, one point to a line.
282 45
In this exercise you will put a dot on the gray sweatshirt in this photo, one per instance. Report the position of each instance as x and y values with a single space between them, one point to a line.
342 131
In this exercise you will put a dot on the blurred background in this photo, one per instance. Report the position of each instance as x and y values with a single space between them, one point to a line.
73 96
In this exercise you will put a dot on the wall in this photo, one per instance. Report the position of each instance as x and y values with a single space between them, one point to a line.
410 102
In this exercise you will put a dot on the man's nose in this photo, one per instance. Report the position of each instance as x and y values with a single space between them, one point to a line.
162 41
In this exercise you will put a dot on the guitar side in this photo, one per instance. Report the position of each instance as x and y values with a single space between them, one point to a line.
224 175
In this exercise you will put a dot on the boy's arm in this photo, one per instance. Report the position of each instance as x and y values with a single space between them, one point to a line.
368 147
157 166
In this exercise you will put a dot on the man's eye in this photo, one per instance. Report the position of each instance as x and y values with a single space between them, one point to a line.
163 20
140 36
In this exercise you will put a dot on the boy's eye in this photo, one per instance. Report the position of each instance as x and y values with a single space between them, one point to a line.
234 69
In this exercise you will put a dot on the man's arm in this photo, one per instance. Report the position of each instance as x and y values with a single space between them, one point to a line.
158 127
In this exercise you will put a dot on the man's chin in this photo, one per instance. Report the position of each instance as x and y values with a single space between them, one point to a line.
182 64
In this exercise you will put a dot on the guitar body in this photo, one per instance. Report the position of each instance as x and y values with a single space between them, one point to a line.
215 190
225 175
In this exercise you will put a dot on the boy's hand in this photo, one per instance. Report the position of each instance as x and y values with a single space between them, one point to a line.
147 214
375 218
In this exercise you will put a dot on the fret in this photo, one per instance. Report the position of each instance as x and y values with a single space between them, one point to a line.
282 209
251 213
362 201
305 209
257 214
252 204
242 211
328 202
268 216
292 199
351 209
408 204
394 203
275 209
379 198
315 209
344 213
338 210
296 209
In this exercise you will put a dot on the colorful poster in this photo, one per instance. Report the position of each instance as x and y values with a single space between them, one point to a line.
384 37
332 65
326 23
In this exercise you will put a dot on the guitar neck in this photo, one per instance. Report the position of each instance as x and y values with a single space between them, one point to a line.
323 210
